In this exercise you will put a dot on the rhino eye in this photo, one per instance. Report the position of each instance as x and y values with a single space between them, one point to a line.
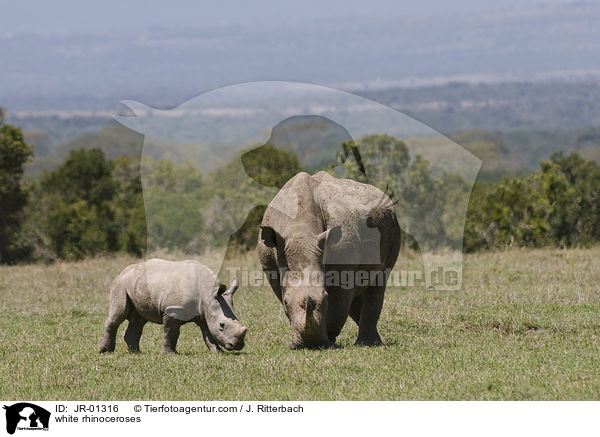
222 326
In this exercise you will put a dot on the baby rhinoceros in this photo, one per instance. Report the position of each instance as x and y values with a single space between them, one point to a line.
172 293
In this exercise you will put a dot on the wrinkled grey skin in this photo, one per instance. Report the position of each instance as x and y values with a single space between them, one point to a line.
172 294
324 224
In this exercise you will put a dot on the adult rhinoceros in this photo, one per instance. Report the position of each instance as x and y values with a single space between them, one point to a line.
327 246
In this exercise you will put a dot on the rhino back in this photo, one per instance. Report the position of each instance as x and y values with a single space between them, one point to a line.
366 216
344 201
322 201
174 288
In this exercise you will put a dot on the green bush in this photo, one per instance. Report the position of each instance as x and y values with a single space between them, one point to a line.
78 197
557 205
14 153
91 205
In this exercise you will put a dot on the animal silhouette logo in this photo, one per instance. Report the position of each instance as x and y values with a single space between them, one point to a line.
268 122
26 416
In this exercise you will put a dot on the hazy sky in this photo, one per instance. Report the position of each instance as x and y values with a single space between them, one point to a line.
74 53
68 16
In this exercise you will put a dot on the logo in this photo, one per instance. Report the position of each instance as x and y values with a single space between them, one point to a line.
25 416
275 130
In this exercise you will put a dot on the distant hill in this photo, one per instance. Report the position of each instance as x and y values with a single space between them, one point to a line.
61 126
511 126
449 108
117 140
113 140
552 105
533 145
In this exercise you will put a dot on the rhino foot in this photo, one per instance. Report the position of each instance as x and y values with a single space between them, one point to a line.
369 342
293 345
106 346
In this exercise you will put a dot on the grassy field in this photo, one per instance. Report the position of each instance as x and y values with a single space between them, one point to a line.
525 326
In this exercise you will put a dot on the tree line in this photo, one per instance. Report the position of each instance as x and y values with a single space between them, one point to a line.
91 205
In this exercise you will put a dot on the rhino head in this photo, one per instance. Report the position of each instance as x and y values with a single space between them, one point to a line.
304 295
222 322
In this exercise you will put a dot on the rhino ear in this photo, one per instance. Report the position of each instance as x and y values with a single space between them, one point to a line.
218 291
268 235
331 236
234 286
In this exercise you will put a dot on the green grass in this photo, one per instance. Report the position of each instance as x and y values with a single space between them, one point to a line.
525 325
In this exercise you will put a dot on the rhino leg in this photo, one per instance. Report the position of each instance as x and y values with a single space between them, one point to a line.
171 334
355 309
134 331
337 314
370 309
270 268
120 306
210 342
